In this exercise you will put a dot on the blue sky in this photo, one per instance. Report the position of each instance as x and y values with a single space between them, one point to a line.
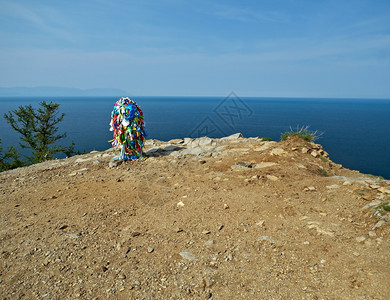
290 48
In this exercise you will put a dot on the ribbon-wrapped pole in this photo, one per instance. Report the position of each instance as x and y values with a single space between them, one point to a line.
127 122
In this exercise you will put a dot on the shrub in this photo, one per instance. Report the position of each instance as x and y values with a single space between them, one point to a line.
323 172
266 139
302 132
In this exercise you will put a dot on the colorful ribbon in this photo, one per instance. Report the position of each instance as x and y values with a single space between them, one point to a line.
127 122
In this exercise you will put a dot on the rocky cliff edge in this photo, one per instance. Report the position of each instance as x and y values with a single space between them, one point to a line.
203 218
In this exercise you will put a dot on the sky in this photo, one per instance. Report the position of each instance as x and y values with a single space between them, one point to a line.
263 48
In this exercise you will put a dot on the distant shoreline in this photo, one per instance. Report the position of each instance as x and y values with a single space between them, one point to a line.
58 92
53 91
250 98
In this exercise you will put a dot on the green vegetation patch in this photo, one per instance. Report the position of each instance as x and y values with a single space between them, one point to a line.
266 139
323 172
302 132
385 206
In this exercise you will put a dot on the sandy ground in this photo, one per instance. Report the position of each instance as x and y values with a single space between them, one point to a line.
284 222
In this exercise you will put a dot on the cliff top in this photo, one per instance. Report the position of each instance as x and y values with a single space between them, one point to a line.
199 218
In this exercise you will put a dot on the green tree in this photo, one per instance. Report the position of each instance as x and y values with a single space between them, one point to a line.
10 159
38 129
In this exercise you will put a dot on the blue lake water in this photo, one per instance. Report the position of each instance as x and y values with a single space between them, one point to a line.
355 131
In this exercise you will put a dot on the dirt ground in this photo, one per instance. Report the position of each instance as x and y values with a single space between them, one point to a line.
233 218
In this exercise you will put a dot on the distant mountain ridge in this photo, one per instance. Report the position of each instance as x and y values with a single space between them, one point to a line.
58 91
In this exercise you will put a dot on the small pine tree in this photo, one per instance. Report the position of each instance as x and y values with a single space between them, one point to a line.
39 131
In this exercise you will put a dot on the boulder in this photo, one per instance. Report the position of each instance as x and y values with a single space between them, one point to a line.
278 151
264 165
233 136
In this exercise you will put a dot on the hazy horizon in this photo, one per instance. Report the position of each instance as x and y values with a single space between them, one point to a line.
25 92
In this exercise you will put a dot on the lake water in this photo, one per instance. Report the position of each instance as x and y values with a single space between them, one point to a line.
354 131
